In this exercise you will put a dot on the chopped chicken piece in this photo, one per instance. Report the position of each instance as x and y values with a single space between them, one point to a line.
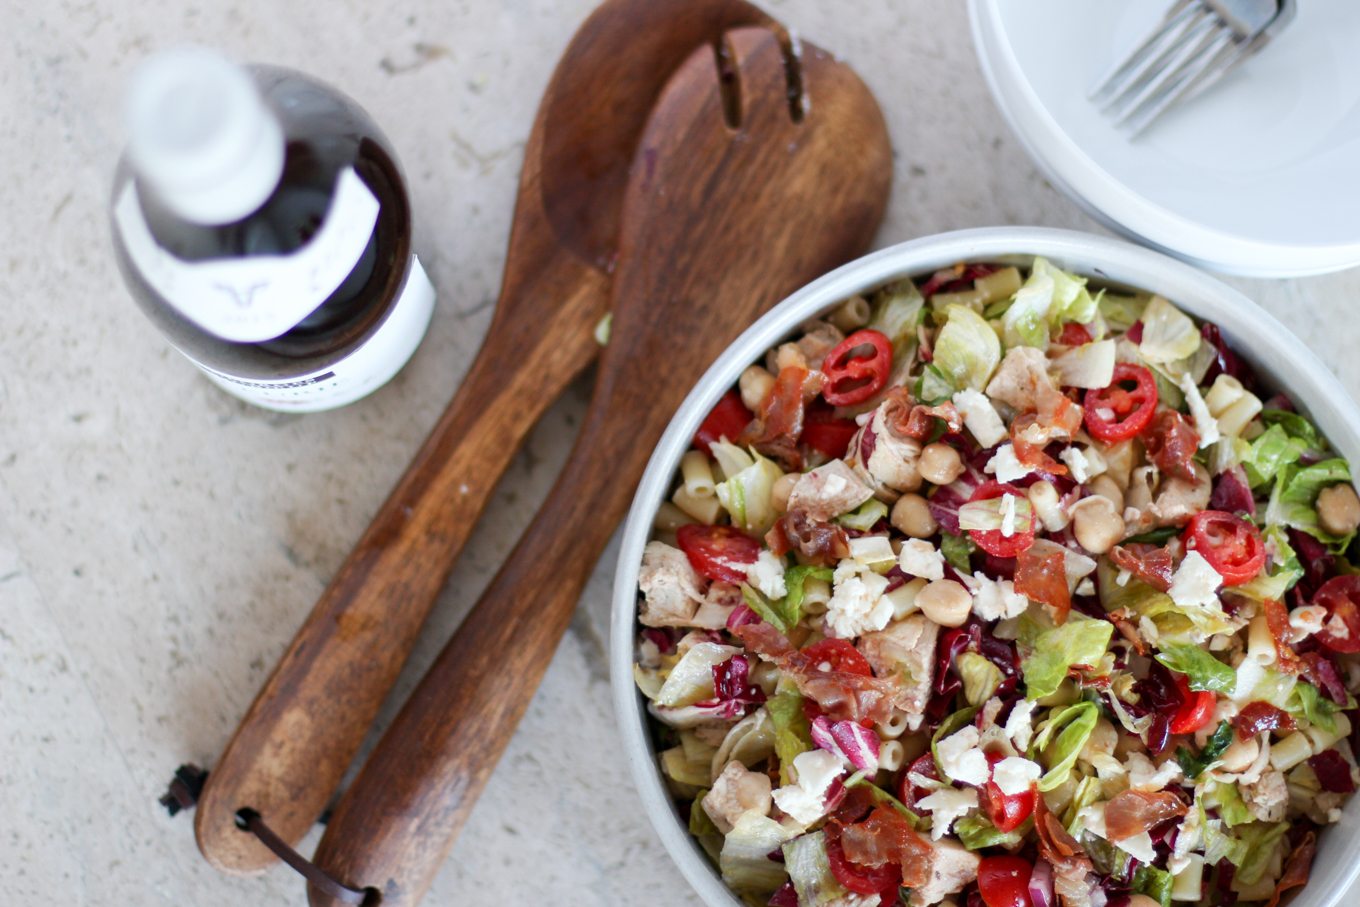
905 650
671 588
828 491
736 791
951 868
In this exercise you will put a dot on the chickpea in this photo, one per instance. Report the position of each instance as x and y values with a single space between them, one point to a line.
755 384
1097 524
911 516
1107 487
1240 754
781 489
1338 509
789 354
1142 900
946 602
939 463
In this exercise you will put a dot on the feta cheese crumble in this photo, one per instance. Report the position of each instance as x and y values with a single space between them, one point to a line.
945 806
1006 466
980 417
805 800
767 575
995 599
1195 582
920 558
857 604
1020 726
1206 426
961 759
1015 774
1084 465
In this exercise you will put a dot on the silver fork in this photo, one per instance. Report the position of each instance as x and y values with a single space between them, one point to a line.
1196 44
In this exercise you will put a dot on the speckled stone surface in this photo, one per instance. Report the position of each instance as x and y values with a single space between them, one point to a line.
159 541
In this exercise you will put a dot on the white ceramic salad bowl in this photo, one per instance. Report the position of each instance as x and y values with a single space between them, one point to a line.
1280 359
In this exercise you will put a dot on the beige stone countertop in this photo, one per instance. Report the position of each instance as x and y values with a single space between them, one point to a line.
160 541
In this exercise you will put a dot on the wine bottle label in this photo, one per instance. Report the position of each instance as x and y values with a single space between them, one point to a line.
363 371
247 300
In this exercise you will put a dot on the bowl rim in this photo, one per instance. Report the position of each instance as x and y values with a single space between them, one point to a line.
1254 333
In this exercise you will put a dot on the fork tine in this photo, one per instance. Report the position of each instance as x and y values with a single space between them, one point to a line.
1168 56
1146 52
1188 54
1214 67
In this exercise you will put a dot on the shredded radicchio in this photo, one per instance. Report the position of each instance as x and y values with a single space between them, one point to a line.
1333 772
663 639
784 897
1226 362
1158 696
971 637
731 681
741 616
847 739
1232 494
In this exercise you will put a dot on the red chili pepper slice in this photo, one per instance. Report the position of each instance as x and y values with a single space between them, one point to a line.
1340 595
727 419
1123 409
1231 545
1004 881
991 540
851 376
718 552
1196 709
1006 811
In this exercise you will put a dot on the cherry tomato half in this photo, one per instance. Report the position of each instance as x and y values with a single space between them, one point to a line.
1074 334
826 434
855 877
991 540
1340 595
718 552
852 378
1230 544
841 655
1118 412
907 792
1004 881
1006 811
726 420
1196 709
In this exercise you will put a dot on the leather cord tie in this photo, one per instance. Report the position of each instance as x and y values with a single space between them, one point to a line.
183 793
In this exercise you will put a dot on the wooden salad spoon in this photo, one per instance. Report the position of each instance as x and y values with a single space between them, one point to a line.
719 222
301 733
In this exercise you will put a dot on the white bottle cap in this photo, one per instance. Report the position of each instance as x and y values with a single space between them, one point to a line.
202 136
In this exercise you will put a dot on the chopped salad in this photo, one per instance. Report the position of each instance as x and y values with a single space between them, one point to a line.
996 589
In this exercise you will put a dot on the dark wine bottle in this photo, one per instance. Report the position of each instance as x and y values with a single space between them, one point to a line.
261 220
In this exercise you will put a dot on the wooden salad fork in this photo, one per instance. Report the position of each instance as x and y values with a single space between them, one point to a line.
288 755
741 193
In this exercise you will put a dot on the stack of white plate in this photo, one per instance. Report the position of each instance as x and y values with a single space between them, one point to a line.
1258 176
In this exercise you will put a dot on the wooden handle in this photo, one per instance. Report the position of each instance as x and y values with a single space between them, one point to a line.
396 824
717 224
287 757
